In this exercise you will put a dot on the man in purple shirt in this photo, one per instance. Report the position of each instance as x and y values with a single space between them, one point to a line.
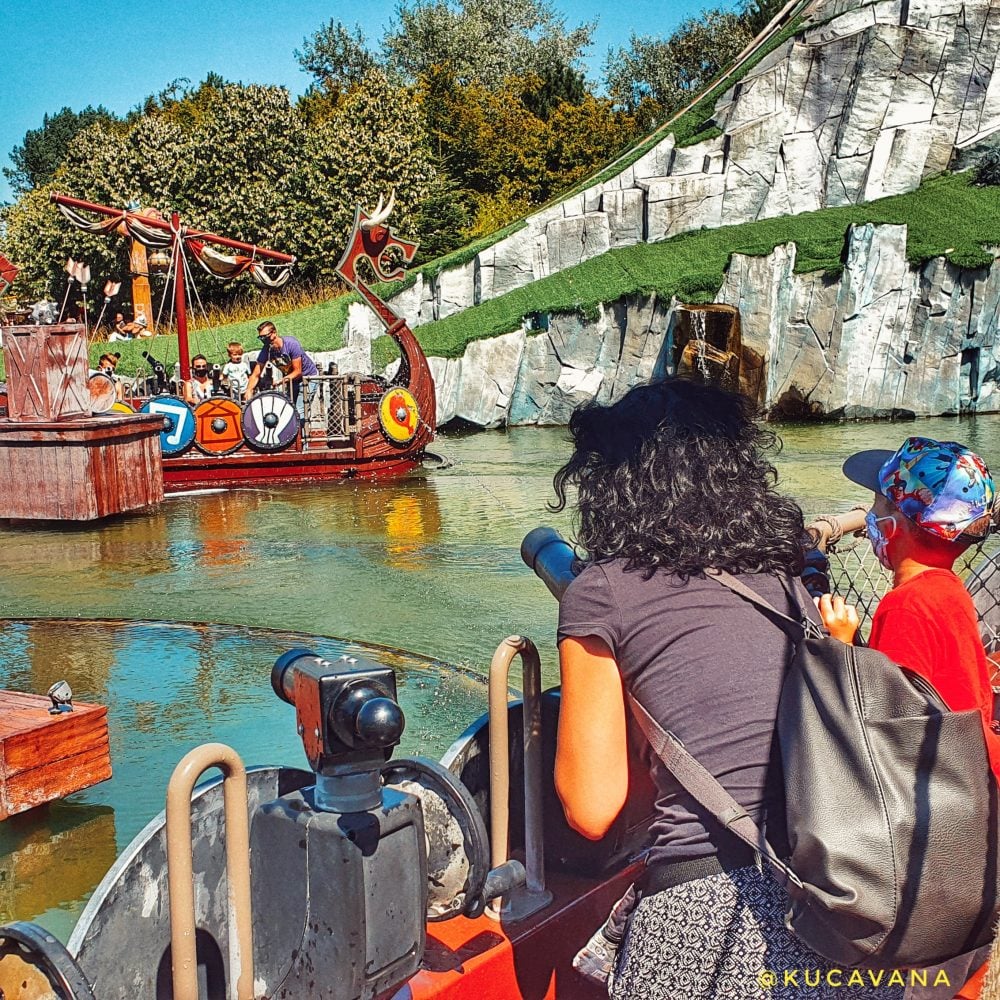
287 354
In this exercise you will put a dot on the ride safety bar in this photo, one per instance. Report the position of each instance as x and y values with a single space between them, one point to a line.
180 865
827 530
520 902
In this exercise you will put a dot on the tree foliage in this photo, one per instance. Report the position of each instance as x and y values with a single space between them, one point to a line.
35 161
756 14
475 111
246 165
337 57
484 41
655 76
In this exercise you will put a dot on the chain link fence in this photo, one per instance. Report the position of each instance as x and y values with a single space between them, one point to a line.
859 578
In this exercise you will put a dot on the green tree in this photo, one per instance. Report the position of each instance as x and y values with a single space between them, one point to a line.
581 139
338 58
375 142
43 149
757 13
443 218
485 41
658 76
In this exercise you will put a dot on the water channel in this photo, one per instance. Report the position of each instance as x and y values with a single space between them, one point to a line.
429 565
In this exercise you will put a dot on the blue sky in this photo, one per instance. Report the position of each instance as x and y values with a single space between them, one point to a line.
59 53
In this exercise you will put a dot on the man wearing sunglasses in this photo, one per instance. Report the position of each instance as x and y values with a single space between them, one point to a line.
287 353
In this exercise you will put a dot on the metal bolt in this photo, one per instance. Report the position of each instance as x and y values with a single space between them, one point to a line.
301 729
316 733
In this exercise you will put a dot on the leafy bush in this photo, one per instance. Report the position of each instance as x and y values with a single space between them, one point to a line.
988 168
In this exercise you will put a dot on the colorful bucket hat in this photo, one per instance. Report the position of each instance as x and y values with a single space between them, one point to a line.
941 486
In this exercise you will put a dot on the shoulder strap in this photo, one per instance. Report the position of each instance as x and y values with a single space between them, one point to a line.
795 630
705 789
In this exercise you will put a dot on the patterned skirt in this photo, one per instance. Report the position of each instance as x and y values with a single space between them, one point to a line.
724 937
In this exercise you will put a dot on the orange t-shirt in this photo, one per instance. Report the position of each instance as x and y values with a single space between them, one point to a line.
929 625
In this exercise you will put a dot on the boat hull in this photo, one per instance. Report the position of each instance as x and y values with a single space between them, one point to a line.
197 471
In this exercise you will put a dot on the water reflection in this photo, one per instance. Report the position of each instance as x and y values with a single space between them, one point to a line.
169 687
54 865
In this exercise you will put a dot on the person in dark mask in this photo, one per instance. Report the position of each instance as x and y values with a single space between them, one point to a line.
199 387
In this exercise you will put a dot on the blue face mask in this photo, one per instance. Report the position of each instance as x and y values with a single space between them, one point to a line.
879 541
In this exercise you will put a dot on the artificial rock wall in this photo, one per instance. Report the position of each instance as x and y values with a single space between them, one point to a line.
872 98
882 339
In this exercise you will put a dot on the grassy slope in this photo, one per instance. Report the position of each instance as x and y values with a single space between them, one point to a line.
947 216
318 327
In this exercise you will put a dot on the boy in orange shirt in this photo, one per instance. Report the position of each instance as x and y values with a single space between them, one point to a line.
933 499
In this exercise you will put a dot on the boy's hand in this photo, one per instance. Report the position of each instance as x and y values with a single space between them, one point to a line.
840 618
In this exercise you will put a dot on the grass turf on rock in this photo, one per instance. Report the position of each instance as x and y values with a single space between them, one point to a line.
947 216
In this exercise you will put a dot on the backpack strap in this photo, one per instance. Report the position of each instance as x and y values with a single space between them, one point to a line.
705 789
796 630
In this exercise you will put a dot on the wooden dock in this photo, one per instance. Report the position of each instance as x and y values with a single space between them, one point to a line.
45 757
58 460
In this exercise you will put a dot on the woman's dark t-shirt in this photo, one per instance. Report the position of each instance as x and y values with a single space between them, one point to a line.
708 666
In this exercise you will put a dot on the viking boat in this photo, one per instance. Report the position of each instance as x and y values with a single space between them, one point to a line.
364 877
352 425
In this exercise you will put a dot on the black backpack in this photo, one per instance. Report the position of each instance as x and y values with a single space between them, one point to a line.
891 805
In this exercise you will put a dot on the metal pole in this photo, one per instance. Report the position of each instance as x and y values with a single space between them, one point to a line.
534 850
180 300
180 869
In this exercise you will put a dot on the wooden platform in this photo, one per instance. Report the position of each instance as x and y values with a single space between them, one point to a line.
58 461
81 469
45 757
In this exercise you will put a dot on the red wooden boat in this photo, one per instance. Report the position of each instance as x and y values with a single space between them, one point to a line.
354 425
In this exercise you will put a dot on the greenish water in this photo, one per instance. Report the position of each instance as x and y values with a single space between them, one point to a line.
429 564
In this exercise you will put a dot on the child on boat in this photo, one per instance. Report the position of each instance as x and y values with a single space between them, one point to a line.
933 500
236 370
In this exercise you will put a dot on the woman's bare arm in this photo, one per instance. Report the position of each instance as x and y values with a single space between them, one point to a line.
591 752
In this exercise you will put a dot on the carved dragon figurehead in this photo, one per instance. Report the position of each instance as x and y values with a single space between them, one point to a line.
374 241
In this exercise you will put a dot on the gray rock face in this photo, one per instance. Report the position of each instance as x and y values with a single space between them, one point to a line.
882 339
868 101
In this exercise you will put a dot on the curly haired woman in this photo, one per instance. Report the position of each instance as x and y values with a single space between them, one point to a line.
672 480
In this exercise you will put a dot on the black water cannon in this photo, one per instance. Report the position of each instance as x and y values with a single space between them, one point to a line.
551 557
216 380
159 371
378 844
349 721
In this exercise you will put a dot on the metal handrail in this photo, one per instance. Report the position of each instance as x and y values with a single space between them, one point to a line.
534 851
828 529
180 868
